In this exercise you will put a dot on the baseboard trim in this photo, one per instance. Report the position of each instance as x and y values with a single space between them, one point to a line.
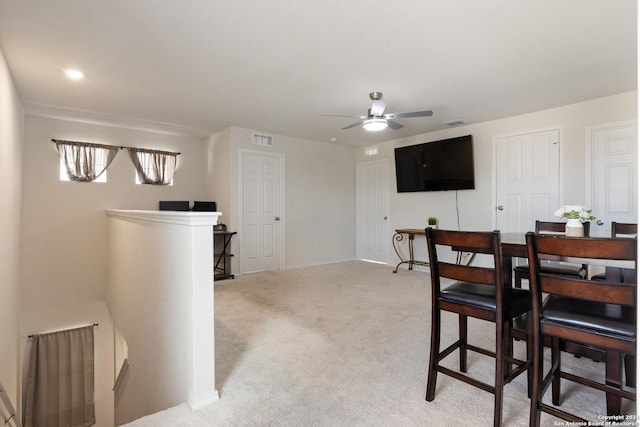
195 405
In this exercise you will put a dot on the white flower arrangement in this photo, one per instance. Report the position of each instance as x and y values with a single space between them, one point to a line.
575 212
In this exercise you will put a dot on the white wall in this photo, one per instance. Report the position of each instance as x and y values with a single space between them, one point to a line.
11 134
410 210
219 172
64 239
64 222
319 198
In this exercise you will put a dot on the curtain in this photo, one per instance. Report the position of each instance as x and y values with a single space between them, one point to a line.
153 166
84 161
59 389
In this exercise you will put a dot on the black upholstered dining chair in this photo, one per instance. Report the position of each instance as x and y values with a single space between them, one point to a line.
599 314
478 292
546 227
619 229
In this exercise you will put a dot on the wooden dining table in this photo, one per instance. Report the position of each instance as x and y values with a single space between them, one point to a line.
513 245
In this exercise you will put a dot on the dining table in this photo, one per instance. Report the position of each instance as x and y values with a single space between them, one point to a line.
513 245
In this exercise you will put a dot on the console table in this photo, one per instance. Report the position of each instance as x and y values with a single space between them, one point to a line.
222 254
398 237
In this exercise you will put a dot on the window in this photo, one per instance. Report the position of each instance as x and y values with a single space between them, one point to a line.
84 162
64 176
153 166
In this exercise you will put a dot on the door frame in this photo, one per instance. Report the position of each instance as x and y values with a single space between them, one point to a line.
360 211
494 168
281 207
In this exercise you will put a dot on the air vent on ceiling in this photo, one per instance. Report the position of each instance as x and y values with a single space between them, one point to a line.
262 139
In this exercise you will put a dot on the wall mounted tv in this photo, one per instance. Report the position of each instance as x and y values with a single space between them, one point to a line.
436 166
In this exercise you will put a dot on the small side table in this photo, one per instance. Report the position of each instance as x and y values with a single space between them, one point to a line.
399 237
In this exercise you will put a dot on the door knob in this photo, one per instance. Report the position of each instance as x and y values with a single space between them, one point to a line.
600 222
500 208
385 218
277 218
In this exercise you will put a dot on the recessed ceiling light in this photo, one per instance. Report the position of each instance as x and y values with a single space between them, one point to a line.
74 74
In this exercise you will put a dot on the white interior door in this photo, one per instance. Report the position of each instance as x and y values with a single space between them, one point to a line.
372 187
262 213
614 175
527 179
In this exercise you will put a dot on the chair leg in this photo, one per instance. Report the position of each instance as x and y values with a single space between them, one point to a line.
434 353
556 366
614 379
507 348
537 375
499 373
530 356
630 370
462 331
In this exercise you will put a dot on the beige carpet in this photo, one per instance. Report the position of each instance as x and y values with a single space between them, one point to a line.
347 345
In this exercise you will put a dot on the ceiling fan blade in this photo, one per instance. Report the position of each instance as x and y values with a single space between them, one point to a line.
352 126
344 115
427 113
394 125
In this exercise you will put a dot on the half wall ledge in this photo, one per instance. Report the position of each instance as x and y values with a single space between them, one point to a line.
170 217
160 294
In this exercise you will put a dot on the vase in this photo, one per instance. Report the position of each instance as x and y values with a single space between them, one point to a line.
574 228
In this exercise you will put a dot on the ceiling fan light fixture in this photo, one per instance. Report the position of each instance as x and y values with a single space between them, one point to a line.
375 124
74 74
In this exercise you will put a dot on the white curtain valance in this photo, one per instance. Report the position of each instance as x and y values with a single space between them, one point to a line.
85 161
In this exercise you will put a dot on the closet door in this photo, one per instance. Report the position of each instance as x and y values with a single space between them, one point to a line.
372 234
614 175
262 216
527 179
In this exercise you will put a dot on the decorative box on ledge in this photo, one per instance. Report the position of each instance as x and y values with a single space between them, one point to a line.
183 205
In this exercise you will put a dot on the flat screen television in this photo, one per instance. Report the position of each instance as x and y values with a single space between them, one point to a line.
436 166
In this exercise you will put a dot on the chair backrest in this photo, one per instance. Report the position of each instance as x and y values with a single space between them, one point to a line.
477 242
547 227
613 252
620 228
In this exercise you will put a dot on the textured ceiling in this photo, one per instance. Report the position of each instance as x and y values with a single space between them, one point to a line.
200 66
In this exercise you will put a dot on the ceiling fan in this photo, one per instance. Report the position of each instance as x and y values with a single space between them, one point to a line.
377 120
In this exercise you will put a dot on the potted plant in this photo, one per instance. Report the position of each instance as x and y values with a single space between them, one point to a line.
432 221
576 215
